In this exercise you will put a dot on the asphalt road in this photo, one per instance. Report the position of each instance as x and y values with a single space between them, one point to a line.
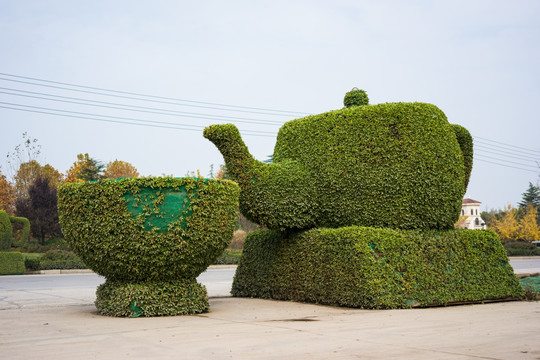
526 264
74 289
23 291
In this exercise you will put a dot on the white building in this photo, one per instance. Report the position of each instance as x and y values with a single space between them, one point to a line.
470 212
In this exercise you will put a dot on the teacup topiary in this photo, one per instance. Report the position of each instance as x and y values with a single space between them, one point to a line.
150 238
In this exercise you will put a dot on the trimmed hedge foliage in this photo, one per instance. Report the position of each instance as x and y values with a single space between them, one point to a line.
375 268
11 263
182 297
396 165
465 141
356 97
6 229
148 229
117 244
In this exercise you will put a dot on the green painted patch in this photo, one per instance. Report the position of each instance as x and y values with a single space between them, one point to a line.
160 207
532 283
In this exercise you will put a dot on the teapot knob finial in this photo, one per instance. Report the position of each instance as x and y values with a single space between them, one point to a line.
356 97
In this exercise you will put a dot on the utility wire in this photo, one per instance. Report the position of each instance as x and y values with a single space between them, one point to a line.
507 150
509 146
159 99
507 161
120 120
504 154
117 106
483 145
510 166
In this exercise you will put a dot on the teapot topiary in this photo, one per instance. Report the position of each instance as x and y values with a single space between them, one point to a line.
393 165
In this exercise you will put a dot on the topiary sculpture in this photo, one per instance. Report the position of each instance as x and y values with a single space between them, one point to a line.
394 165
375 191
150 238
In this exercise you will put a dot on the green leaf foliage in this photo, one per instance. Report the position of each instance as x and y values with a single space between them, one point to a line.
6 229
126 299
150 237
465 141
356 97
11 263
123 244
395 165
371 268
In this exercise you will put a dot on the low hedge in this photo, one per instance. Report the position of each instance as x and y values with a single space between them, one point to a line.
39 264
229 257
521 248
6 229
373 268
6 232
11 263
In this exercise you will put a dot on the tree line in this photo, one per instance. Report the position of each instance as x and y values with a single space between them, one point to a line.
517 224
31 192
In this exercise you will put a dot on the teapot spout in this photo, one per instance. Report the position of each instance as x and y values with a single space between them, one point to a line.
265 188
241 166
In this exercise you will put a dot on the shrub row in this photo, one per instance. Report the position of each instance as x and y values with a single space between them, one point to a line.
375 268
6 229
41 264
533 251
229 257
521 248
11 263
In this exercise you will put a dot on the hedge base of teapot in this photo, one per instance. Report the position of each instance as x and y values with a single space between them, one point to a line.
373 268
151 298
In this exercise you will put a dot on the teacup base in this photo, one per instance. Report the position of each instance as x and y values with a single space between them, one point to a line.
151 298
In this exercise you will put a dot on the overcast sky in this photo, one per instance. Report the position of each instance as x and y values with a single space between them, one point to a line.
479 61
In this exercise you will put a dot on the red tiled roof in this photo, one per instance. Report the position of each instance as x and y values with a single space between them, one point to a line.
471 201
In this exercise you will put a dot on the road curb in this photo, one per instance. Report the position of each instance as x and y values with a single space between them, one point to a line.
88 271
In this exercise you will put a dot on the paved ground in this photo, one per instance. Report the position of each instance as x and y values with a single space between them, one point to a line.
263 329
62 323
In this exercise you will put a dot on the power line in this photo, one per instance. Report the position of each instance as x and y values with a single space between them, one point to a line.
506 154
514 151
508 161
483 145
511 147
161 99
510 166
103 104
128 121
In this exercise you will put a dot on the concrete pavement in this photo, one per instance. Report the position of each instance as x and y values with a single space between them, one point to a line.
63 324
238 328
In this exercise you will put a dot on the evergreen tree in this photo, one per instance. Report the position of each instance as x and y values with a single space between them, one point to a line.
85 169
92 170
531 196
